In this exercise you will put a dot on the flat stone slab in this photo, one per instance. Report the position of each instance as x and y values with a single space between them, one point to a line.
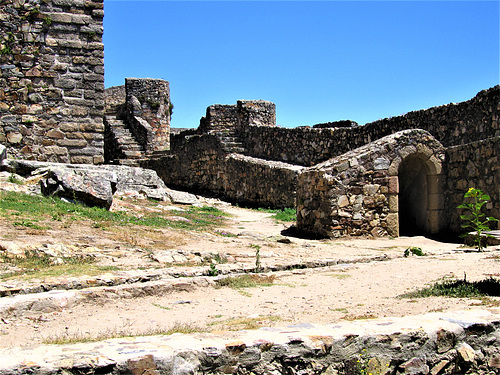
459 341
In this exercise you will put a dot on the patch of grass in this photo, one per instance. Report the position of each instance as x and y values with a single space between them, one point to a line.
341 310
224 233
246 281
13 179
286 214
36 208
79 337
29 224
237 324
161 307
414 251
459 289
34 263
360 317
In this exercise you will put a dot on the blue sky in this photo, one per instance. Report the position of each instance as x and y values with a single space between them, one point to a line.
319 61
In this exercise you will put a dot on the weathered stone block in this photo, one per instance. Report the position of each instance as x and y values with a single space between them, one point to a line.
55 133
72 143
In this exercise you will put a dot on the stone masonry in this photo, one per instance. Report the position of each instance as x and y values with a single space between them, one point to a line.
52 82
357 193
452 124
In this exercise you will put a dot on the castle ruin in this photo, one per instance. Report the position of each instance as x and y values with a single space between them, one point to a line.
403 175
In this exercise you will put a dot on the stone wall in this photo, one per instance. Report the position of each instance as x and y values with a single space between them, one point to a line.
149 99
256 113
451 124
199 163
358 193
219 118
475 165
52 83
115 98
232 118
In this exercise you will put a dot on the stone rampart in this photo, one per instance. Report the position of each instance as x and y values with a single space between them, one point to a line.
201 164
52 82
451 124
256 113
474 165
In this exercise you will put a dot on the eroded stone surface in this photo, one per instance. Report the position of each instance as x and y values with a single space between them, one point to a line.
390 346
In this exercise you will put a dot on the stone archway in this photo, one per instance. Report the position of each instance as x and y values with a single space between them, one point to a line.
419 198
392 186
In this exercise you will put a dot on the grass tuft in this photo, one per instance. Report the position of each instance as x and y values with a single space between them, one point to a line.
459 289
246 281
79 337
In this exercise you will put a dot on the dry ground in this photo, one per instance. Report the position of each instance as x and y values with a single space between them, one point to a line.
349 290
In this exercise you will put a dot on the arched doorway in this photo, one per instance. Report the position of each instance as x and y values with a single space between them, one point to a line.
420 197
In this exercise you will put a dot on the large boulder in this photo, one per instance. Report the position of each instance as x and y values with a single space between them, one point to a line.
95 185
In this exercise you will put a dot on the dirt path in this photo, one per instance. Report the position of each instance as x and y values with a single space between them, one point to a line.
349 290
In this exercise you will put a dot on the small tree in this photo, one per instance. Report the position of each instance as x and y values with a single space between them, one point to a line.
474 200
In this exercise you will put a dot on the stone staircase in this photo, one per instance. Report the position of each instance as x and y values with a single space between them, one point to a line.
230 142
126 149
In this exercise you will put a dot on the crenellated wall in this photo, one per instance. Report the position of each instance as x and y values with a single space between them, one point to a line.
52 81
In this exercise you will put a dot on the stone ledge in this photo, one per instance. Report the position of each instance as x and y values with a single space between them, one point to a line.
465 342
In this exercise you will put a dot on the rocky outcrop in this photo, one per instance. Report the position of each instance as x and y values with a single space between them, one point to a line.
96 185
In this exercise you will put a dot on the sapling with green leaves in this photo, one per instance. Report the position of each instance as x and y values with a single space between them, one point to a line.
475 220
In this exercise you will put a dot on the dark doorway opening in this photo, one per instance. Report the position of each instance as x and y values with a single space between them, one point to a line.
413 197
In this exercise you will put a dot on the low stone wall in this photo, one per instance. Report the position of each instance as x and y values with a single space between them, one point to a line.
451 124
52 81
200 163
474 165
466 342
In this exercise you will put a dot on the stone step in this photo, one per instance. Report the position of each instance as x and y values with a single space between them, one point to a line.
235 150
116 122
132 147
129 162
124 140
133 154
